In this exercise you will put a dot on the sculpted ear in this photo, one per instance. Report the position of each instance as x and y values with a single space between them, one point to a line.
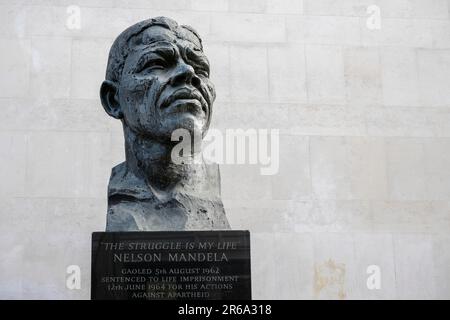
110 103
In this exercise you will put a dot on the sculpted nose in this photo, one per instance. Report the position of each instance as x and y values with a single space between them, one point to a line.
185 74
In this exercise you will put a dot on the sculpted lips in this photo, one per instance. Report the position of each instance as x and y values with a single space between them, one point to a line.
184 99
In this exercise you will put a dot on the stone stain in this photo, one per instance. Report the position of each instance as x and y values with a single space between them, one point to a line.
329 279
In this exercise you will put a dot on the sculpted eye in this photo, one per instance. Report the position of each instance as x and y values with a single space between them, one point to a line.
202 73
151 64
202 70
198 61
159 58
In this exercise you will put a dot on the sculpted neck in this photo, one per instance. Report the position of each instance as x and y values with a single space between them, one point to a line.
150 159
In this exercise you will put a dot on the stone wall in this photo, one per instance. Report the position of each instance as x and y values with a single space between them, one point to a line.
363 109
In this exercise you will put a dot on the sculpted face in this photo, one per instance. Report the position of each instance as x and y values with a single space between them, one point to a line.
165 85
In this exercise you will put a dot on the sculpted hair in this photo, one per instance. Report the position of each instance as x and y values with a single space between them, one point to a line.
131 37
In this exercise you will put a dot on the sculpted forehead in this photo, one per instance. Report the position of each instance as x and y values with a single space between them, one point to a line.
163 41
159 33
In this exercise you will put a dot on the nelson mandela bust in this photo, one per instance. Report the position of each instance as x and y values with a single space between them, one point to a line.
157 81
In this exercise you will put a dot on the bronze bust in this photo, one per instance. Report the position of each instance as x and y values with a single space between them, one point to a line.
157 81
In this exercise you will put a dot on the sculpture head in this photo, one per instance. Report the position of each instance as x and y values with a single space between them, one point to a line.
157 80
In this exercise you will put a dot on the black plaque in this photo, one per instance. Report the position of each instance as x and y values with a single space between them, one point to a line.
171 265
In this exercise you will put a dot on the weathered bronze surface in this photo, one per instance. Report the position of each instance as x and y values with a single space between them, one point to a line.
157 81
